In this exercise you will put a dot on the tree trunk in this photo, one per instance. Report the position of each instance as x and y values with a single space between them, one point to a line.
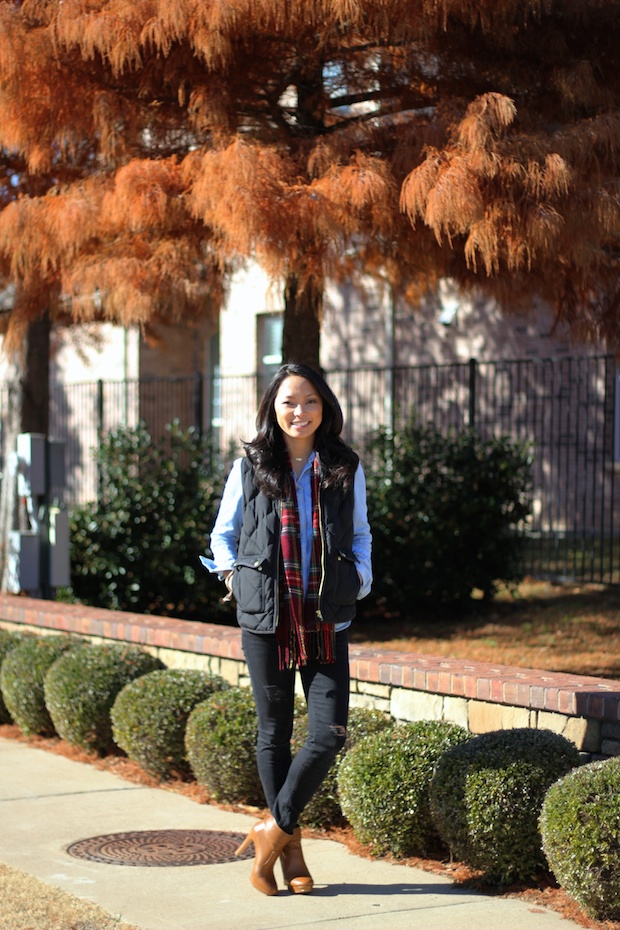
303 309
9 511
27 411
36 378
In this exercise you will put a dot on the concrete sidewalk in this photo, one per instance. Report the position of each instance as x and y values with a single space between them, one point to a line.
48 802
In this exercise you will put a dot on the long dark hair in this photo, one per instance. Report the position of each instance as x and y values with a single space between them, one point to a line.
267 451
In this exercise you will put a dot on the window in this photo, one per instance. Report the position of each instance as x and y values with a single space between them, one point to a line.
269 345
216 380
449 301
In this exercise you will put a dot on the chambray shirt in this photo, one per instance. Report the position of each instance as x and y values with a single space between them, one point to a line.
227 528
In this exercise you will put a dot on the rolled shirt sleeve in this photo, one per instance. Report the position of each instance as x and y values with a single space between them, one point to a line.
227 528
362 540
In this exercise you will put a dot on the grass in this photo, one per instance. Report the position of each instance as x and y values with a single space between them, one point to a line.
560 628
28 904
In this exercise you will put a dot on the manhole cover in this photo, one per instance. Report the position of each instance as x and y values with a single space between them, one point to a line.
162 848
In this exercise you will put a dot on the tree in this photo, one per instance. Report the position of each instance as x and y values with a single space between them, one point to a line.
418 139
27 397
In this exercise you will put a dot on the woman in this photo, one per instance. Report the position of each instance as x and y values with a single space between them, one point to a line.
292 543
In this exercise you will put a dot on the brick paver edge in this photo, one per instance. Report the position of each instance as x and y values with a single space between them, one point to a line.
575 695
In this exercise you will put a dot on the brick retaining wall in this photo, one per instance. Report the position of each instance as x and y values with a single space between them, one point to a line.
410 686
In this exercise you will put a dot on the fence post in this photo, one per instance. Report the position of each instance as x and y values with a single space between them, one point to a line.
389 414
198 402
99 434
472 392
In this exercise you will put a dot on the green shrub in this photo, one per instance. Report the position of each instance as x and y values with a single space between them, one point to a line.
8 641
150 714
443 514
487 794
580 828
137 548
221 747
324 807
81 687
22 680
383 784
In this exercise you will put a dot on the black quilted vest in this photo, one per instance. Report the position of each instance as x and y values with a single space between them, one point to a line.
257 568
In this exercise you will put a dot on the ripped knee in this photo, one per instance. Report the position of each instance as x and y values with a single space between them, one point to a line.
274 694
339 734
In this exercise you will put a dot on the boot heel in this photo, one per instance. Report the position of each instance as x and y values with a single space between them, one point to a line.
294 868
244 845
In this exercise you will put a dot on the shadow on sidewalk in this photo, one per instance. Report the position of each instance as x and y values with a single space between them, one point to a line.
347 888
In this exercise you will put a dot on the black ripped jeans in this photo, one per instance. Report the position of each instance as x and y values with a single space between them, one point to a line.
289 782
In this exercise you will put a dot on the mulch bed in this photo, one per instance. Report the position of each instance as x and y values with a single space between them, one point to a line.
544 893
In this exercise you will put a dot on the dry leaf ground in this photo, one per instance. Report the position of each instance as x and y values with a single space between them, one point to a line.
28 904
558 628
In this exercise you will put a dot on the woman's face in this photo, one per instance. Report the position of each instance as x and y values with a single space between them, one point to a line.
299 409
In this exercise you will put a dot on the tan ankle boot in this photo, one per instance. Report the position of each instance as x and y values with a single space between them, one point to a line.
294 868
269 841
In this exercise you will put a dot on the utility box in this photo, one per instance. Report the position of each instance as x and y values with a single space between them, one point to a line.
60 574
24 563
31 464
34 475
56 466
39 558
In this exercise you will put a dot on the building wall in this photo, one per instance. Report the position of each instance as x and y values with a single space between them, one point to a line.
367 327
176 351
251 293
103 375
180 353
94 350
361 327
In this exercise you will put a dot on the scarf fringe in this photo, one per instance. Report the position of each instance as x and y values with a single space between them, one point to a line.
302 646
300 637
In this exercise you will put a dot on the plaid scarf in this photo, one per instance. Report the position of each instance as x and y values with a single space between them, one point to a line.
300 636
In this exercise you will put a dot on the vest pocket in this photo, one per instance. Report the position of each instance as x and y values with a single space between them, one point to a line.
249 583
347 584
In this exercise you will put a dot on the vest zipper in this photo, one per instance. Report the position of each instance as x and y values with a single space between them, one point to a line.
276 611
319 614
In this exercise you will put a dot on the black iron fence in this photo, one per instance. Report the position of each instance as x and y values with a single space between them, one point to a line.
567 408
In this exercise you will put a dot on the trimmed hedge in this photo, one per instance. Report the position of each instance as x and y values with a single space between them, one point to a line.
8 641
137 547
220 740
324 807
580 828
444 513
486 797
22 680
81 687
383 784
149 717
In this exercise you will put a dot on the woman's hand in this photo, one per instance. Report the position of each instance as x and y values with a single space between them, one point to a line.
228 577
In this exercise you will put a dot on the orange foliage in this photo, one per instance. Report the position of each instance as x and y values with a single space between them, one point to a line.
146 144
